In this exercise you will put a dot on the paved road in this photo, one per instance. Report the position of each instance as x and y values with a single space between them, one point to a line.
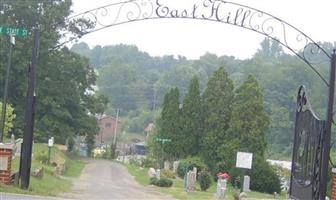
103 179
8 196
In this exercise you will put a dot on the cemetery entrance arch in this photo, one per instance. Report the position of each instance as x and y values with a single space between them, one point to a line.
317 146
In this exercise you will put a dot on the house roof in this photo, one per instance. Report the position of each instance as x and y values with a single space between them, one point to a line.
107 117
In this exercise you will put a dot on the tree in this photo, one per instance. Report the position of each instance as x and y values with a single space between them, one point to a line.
10 117
64 79
270 48
169 126
249 122
217 110
192 120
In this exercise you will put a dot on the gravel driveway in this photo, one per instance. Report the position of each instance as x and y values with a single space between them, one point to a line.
102 179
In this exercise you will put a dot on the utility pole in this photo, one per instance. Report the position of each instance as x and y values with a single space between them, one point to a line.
4 103
116 128
29 115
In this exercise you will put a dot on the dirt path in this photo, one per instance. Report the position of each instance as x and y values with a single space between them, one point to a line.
103 179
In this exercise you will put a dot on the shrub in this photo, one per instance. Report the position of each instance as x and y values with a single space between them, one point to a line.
168 174
42 157
264 178
189 163
149 162
163 182
204 179
153 181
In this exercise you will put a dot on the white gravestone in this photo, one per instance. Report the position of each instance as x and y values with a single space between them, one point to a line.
151 172
166 165
246 186
191 180
158 173
175 166
221 188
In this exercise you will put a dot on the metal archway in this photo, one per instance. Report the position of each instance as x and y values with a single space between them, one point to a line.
243 16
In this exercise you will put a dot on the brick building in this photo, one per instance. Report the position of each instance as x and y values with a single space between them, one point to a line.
108 128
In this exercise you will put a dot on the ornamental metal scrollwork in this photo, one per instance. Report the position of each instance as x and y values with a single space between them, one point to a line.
306 175
210 10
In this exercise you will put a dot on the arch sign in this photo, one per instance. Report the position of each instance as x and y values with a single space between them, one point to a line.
309 177
207 10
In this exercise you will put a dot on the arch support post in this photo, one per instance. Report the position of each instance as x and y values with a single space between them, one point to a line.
327 135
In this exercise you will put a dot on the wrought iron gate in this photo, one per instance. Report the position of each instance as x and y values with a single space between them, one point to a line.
306 177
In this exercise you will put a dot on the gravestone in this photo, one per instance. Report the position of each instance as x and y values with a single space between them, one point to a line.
17 147
246 186
221 188
191 180
166 165
175 166
151 172
158 173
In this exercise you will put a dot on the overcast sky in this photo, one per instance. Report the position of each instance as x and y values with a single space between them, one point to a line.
193 38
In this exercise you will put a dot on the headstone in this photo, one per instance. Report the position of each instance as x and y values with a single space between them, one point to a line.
221 188
151 172
166 165
246 186
17 147
191 180
175 166
12 139
38 173
158 173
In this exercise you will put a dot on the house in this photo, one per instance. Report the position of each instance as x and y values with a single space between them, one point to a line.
109 128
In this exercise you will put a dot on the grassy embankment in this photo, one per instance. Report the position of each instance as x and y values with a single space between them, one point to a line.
177 190
51 184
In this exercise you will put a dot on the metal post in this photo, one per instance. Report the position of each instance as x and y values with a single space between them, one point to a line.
49 151
4 103
327 135
115 129
29 115
242 180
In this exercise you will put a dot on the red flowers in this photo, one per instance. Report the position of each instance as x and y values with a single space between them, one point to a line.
223 175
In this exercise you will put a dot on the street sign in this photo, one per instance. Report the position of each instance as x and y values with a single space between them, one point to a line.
163 140
19 32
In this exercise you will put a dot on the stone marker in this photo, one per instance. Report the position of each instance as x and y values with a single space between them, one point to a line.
151 172
175 166
246 186
158 173
191 179
166 165
221 188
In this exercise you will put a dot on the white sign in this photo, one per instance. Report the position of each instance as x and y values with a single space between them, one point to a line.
3 162
50 142
244 160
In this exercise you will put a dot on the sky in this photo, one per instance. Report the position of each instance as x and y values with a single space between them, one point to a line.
193 38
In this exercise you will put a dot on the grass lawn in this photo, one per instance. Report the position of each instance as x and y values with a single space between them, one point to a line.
177 190
50 184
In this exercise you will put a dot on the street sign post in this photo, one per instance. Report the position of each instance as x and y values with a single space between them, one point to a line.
162 140
19 32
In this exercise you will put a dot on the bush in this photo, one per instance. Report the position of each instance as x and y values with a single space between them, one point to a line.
163 182
204 179
264 178
168 174
189 163
149 162
42 157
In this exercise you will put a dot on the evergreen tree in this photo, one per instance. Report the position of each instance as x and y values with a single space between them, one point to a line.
217 104
191 118
169 125
249 122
